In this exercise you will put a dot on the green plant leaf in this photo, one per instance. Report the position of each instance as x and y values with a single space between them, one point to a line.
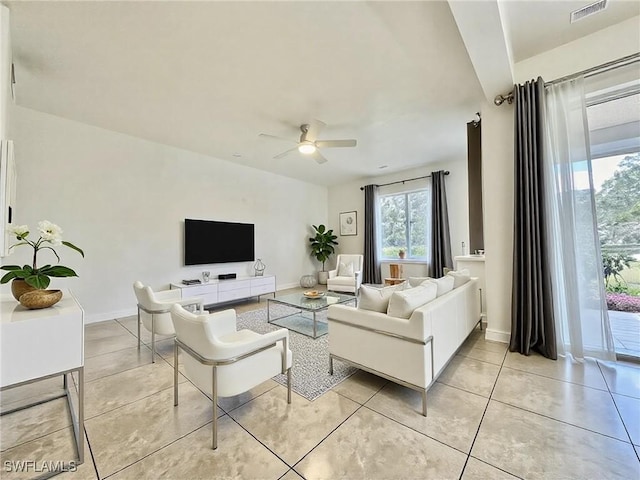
10 267
8 276
38 281
27 269
71 245
58 271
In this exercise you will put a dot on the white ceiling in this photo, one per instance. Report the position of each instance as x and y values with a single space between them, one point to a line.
210 76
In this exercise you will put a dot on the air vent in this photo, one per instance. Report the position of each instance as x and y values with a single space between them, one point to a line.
588 10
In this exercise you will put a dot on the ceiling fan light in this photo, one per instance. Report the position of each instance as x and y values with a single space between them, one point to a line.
307 148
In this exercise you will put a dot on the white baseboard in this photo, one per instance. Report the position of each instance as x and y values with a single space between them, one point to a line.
497 336
285 286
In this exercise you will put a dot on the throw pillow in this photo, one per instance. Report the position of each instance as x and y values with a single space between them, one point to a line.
345 270
375 299
416 281
443 284
460 277
402 304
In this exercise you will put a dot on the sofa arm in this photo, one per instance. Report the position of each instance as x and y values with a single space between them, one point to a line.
333 273
413 328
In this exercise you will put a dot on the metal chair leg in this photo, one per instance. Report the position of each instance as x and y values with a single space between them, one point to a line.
289 385
214 399
153 339
330 365
175 374
138 327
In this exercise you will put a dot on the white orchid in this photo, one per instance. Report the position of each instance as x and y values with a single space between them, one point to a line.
50 232
50 236
19 230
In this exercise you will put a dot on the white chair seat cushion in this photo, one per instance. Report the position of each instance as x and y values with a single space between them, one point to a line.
375 299
342 281
403 303
443 284
346 270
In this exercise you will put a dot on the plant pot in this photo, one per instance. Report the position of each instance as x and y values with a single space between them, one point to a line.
322 277
19 286
40 298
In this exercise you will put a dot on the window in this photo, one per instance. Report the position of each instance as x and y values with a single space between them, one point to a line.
403 224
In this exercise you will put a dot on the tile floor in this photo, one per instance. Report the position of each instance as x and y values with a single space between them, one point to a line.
492 415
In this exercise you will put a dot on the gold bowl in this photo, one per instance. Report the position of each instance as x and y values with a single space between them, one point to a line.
40 298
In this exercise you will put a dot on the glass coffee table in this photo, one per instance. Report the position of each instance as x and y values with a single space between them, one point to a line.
304 319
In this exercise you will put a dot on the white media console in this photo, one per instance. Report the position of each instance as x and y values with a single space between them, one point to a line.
220 291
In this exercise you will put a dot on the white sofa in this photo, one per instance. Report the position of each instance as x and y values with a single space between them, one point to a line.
413 351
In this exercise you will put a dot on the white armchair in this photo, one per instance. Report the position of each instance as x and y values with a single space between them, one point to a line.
224 361
347 275
154 311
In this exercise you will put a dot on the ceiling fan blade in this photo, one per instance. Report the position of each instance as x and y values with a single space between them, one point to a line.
314 129
317 156
266 135
284 154
335 143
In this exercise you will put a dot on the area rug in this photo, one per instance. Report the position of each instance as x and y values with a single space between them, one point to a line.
310 372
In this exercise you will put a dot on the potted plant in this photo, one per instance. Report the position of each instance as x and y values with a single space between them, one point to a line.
31 277
322 248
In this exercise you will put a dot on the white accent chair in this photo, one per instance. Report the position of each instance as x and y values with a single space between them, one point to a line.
340 279
154 311
226 362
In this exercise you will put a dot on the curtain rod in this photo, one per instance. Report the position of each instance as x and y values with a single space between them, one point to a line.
605 67
446 172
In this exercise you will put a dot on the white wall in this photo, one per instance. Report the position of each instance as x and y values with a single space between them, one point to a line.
123 200
348 197
497 156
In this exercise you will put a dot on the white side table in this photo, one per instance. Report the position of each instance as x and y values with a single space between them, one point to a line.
475 265
40 344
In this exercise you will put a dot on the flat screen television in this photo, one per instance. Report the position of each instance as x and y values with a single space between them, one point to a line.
207 241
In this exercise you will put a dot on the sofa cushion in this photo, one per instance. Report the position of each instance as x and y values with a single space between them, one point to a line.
375 299
403 303
343 281
345 270
416 281
460 277
443 284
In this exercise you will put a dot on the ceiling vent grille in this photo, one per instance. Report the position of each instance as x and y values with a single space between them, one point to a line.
588 10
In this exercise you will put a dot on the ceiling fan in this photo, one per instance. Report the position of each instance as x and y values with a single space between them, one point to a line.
309 143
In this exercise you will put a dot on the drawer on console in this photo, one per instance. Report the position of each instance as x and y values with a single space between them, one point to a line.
198 291
262 289
233 295
257 281
227 285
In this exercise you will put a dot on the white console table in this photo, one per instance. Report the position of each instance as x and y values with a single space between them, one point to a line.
220 291
475 265
40 344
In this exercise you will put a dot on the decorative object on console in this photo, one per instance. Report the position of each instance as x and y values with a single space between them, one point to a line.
40 299
38 278
226 276
322 247
348 223
308 281
205 276
259 268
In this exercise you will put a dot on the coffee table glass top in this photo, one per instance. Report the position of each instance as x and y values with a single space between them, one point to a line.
304 319
298 300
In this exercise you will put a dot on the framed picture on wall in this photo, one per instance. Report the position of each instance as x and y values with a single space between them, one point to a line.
348 223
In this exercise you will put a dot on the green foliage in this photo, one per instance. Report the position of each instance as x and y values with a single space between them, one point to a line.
322 244
618 204
403 219
612 265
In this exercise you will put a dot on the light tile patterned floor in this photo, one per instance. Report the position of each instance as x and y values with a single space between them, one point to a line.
492 414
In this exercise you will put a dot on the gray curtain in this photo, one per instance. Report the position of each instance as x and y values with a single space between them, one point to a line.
532 321
440 240
371 269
